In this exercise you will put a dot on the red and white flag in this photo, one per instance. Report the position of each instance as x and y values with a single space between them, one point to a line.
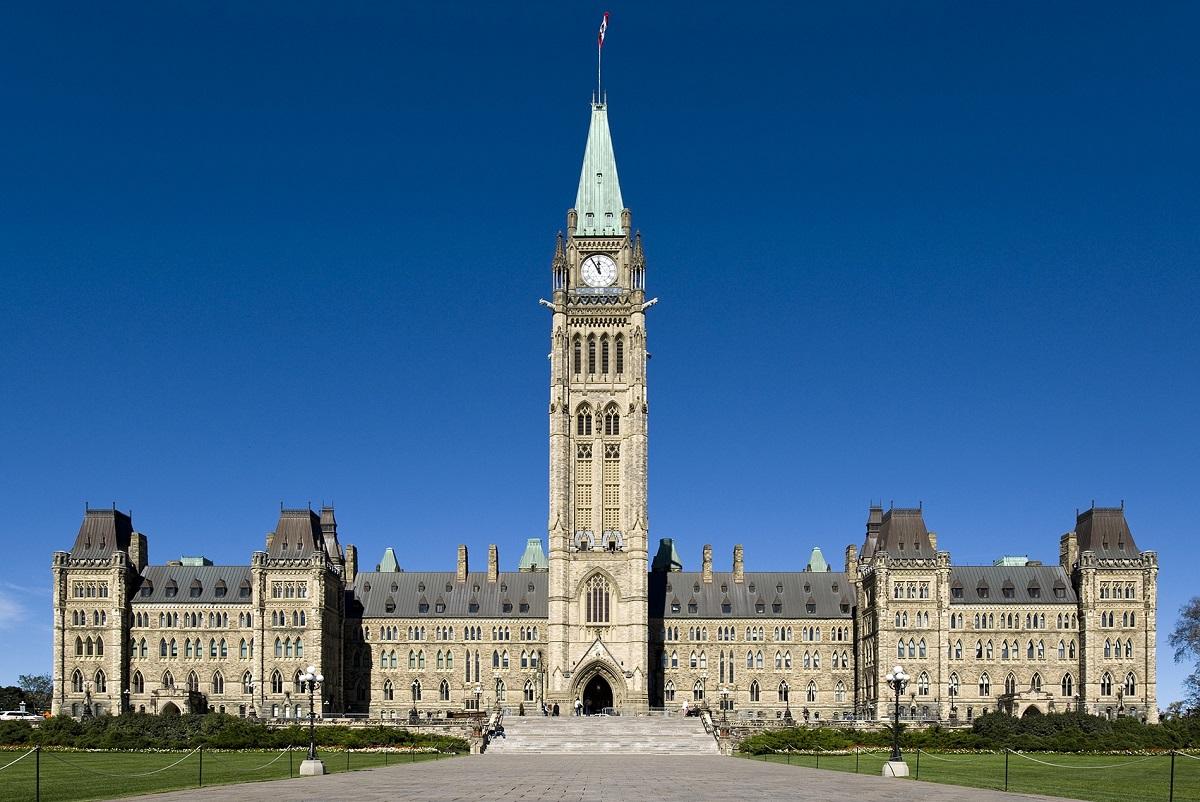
603 28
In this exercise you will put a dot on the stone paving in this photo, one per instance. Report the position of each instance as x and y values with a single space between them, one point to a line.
588 778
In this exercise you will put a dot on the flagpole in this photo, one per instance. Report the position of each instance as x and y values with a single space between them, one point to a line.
599 47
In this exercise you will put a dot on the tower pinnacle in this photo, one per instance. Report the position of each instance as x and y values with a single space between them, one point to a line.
598 201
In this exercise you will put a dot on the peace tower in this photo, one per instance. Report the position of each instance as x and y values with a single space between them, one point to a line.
598 443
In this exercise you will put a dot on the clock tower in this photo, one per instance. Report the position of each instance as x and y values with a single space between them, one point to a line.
598 445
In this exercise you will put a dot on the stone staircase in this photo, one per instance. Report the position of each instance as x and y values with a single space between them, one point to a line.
603 735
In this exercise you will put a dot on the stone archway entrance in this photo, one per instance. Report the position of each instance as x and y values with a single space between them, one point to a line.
597 695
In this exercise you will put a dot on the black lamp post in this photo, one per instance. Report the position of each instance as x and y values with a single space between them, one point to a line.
310 680
898 680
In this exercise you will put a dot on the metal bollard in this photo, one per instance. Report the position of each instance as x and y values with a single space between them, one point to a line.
1171 793
201 765
1006 768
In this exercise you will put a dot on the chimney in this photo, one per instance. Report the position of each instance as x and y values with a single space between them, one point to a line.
351 563
461 572
706 565
493 563
933 541
851 561
139 551
1068 552
739 569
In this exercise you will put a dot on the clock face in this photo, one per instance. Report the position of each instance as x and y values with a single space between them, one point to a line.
599 270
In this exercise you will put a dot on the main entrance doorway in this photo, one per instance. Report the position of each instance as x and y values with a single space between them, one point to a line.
597 695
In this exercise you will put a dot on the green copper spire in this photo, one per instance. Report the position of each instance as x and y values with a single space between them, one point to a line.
534 559
388 564
816 562
599 199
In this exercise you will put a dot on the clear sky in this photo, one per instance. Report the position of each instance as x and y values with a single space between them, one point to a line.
924 252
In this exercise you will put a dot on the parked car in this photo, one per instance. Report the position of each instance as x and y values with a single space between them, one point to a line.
19 715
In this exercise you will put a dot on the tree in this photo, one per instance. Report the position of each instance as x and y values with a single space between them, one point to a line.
1186 642
38 689
11 697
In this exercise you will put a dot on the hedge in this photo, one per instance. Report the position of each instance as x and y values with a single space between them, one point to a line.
215 730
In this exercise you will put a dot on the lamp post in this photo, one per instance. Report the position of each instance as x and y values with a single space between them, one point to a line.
724 703
310 680
896 767
478 693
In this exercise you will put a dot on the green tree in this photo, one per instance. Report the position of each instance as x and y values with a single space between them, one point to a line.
38 689
1185 639
11 697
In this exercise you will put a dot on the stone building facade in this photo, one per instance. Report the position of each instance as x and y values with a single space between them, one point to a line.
596 620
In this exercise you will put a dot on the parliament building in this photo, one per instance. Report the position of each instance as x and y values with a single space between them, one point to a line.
604 618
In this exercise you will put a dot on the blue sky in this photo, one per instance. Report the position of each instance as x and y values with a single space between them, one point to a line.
270 252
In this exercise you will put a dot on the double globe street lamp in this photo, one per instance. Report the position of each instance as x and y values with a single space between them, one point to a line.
310 681
898 681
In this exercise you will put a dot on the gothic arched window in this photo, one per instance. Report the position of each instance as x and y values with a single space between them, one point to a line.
754 691
1106 684
985 684
1068 685
612 421
139 683
620 349
604 354
578 356
597 600
591 354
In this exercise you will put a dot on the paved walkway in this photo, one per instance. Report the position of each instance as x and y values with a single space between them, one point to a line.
587 778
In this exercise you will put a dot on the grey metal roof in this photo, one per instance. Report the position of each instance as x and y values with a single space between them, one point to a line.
297 534
101 533
159 577
407 590
1105 531
902 533
1019 577
800 589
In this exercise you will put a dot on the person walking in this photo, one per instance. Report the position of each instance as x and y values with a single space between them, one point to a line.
578 706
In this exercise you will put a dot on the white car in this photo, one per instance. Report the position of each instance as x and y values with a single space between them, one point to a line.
19 715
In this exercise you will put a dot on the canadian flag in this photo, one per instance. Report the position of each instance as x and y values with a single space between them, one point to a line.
603 28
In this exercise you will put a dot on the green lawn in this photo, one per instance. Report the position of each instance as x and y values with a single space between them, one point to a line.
101 775
1102 778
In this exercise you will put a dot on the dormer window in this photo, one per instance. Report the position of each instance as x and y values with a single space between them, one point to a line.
244 589
751 588
1060 593
473 606
1008 593
389 606
810 608
171 590
760 607
956 592
675 607
777 607
726 607
724 588
982 591
439 606
147 589
195 589
779 588
220 589
692 607
1035 592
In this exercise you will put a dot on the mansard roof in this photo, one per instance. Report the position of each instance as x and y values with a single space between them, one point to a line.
369 596
1020 578
297 534
1105 531
902 533
101 533
158 578
826 591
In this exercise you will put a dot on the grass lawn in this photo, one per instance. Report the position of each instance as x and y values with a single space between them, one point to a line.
1102 778
102 775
